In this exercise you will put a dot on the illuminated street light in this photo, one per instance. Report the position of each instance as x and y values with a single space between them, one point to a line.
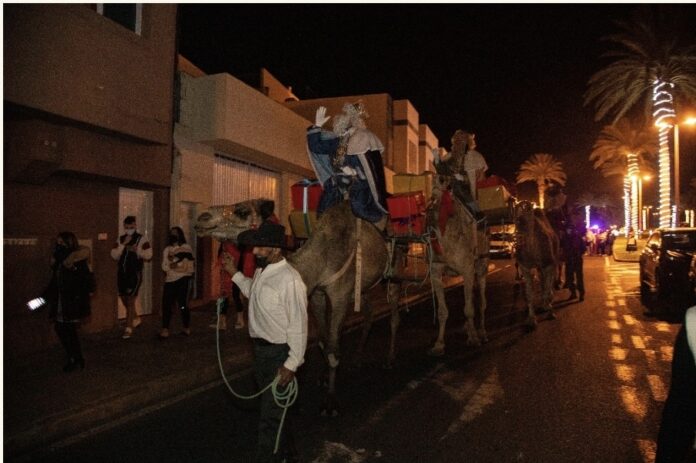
677 198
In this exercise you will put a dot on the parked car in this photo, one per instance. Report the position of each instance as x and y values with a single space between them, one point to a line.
666 261
502 244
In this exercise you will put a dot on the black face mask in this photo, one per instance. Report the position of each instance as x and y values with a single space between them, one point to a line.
60 253
173 239
261 261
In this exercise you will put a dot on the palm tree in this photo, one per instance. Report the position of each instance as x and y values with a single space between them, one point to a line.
624 150
543 169
648 66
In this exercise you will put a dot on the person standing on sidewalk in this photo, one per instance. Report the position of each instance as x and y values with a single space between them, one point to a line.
676 439
178 266
574 246
278 328
245 264
131 250
68 295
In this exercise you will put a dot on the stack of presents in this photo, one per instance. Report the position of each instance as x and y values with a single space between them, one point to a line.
305 197
495 200
407 204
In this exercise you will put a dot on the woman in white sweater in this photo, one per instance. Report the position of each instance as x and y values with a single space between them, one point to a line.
178 264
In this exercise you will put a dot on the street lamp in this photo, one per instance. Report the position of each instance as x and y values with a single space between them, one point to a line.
687 121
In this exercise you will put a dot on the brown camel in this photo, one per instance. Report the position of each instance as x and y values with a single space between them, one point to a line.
327 265
465 253
537 248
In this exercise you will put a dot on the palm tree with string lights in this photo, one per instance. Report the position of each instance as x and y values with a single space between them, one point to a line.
649 66
622 149
543 169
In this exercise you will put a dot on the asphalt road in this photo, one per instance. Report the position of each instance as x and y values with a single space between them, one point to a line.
586 387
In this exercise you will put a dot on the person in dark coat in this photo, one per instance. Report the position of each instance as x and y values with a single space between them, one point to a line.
677 435
68 295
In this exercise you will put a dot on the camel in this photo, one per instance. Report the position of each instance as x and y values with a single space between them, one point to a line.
465 253
537 248
327 265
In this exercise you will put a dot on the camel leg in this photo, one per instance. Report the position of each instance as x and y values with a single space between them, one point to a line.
393 292
481 274
548 276
469 309
366 325
317 303
442 313
528 279
339 306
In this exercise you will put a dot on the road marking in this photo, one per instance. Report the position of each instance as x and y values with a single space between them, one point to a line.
611 304
629 320
657 387
486 395
667 352
625 373
647 448
617 353
662 326
633 403
638 342
612 313
613 325
616 339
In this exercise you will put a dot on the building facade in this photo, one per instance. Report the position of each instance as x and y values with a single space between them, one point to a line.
87 140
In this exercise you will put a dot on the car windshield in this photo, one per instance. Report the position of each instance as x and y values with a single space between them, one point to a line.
501 237
682 241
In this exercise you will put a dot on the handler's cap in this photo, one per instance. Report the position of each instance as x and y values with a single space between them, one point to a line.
268 235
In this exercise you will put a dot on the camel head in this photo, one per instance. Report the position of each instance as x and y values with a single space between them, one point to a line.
524 216
225 223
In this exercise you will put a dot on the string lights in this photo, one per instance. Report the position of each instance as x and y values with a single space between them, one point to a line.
664 116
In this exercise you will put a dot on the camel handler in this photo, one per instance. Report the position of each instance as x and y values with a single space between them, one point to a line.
277 326
465 166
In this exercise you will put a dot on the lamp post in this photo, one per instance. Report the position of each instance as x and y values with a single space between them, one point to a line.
677 199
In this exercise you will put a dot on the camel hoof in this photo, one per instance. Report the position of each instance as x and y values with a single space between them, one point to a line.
437 351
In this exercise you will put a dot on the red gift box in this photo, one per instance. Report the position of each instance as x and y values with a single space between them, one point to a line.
414 225
306 191
406 205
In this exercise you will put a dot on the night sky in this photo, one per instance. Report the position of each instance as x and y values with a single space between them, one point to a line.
514 74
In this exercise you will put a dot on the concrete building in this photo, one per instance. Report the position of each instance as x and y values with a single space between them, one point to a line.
233 143
87 140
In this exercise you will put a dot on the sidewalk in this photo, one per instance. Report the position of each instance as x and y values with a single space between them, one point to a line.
44 405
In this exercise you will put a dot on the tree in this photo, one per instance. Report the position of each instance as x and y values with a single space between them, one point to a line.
649 66
543 169
624 150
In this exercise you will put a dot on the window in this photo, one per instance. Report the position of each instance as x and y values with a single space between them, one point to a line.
235 181
129 15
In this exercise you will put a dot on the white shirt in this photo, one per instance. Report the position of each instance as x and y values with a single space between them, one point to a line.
185 267
277 308
474 164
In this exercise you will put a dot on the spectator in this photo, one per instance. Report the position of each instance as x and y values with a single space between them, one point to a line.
590 242
178 265
131 250
574 247
245 264
278 328
68 295
676 438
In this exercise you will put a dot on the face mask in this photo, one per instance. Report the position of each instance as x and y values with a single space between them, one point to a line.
261 261
60 253
130 231
173 239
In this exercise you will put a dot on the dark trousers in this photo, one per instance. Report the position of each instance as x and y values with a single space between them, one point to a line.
67 333
268 358
236 297
176 292
573 273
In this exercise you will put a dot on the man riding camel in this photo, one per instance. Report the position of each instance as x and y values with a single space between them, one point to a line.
465 166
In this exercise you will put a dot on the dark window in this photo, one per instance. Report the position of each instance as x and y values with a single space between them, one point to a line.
125 14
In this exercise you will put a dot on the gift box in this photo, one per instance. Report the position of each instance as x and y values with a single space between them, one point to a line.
412 183
413 225
406 205
306 195
303 224
494 197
